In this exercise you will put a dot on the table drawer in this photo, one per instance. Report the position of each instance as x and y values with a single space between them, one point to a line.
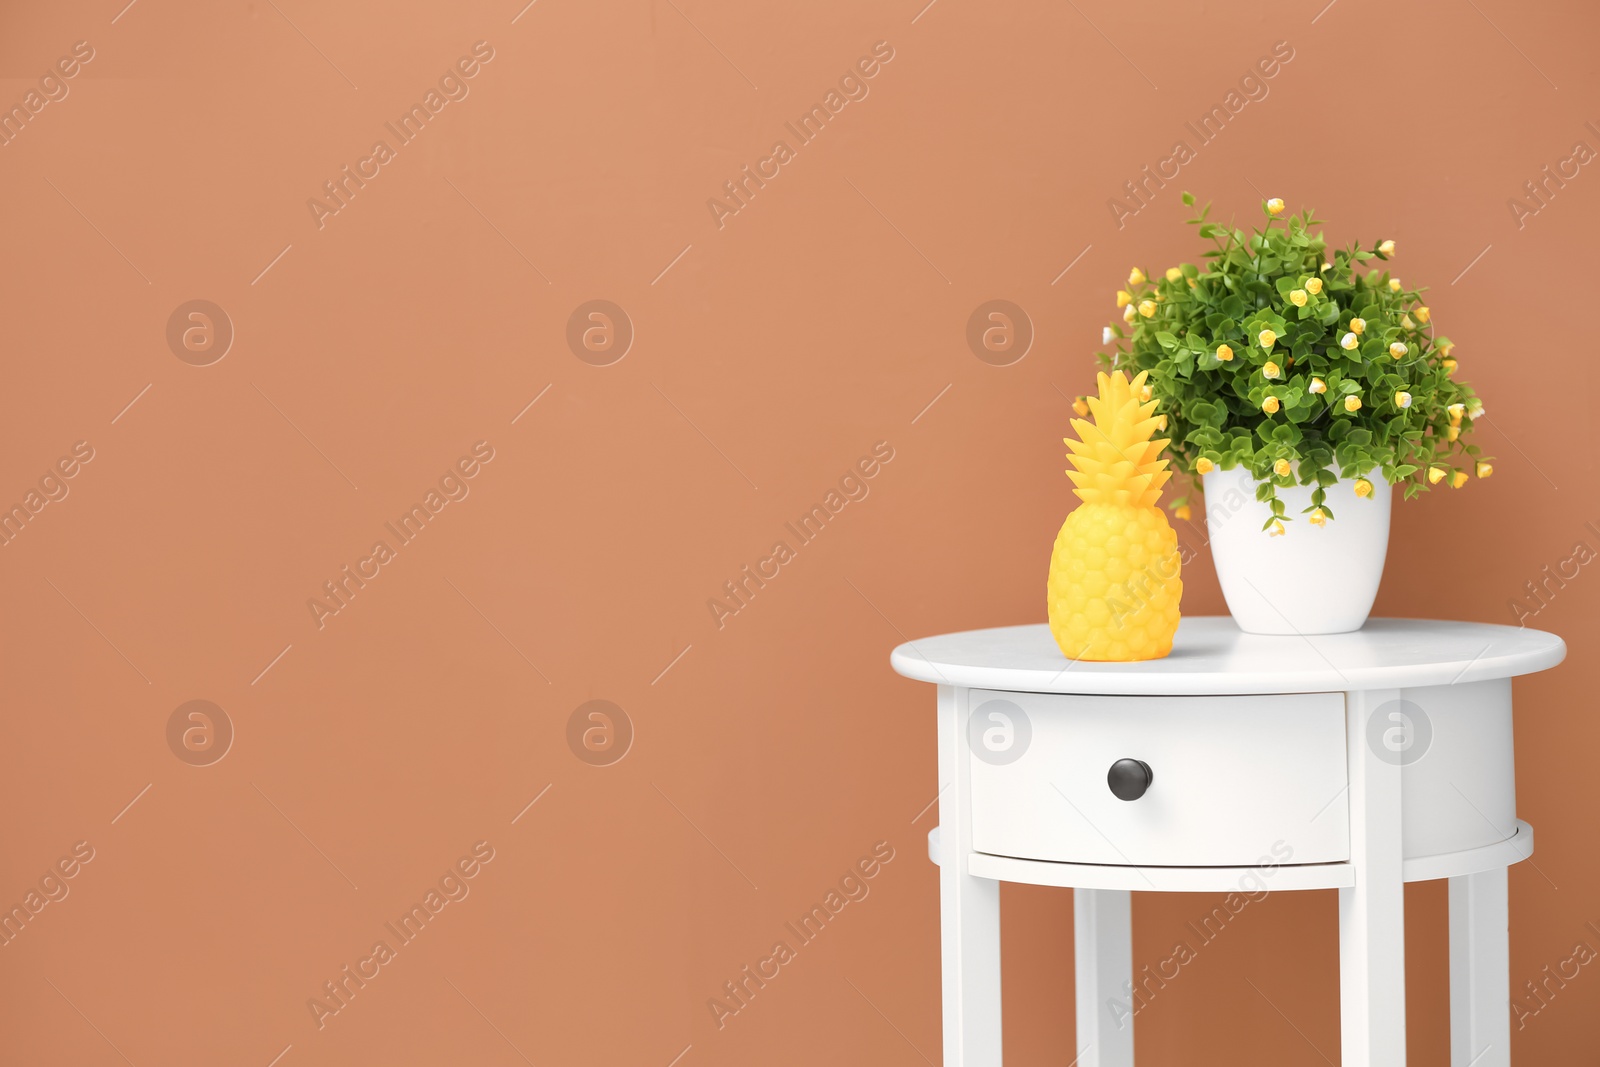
1234 780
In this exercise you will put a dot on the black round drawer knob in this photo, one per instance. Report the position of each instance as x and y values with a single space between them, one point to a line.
1129 778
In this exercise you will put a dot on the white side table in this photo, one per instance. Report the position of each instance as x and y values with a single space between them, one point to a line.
1353 761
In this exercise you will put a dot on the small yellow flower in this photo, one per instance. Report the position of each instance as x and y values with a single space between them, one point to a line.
1485 469
1267 339
1281 468
1136 277
1387 248
1124 298
1363 487
1182 511
1436 475
1224 353
1402 399
1449 365
1405 320
1270 405
1270 370
1297 297
1275 206
1394 285
1191 282
1445 348
1317 386
1456 411
1204 466
1276 529
1453 433
1080 408
1161 422
1349 340
1128 314
1326 266
1352 404
1423 314
1358 326
1398 350
1147 308
1313 286
1476 410
1144 394
1458 479
1173 274
1318 518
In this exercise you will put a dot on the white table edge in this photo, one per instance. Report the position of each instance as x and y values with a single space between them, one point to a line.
1118 679
1514 849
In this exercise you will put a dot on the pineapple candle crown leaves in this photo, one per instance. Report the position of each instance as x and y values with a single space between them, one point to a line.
1114 459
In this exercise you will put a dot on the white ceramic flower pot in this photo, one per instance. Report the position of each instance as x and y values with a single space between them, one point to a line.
1310 579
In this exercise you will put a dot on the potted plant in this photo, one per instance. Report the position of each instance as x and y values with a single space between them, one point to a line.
1297 386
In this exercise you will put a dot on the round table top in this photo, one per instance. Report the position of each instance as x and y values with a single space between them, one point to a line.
1210 655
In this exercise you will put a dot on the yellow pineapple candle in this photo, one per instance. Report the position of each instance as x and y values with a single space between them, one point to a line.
1114 584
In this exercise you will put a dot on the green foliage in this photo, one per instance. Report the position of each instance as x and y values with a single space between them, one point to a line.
1265 281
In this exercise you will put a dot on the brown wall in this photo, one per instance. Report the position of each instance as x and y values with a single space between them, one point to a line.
772 752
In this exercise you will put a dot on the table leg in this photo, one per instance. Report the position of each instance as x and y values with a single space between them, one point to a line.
1480 971
969 908
1372 953
1102 922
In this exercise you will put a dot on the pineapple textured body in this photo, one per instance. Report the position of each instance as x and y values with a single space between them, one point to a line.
1115 585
